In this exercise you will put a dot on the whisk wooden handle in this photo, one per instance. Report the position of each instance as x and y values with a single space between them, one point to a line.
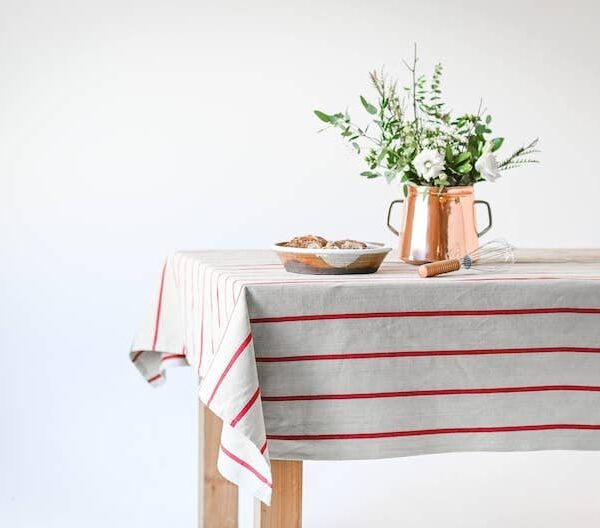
437 268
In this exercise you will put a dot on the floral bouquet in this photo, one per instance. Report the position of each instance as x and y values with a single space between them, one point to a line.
414 137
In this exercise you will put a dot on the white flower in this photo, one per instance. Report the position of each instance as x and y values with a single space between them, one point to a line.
428 164
487 165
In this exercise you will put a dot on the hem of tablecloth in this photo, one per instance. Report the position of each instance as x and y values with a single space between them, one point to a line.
163 344
148 362
247 473
241 462
554 444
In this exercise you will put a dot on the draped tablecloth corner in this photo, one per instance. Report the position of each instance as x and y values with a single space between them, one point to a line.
376 366
243 455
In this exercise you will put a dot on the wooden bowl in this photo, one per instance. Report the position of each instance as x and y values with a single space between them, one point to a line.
332 261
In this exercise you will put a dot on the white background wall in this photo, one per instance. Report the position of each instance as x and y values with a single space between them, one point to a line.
130 129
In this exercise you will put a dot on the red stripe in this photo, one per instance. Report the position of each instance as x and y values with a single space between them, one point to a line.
236 355
245 408
218 308
202 320
363 279
440 392
424 353
424 432
173 356
212 345
194 289
263 448
385 278
366 279
539 277
433 313
185 295
137 356
246 465
244 266
160 295
154 378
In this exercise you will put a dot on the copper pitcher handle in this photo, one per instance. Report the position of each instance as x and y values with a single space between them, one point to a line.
389 217
489 212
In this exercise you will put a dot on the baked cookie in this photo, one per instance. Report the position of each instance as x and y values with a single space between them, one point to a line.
348 244
333 245
308 242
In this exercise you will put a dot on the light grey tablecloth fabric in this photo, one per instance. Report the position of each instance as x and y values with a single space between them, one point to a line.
383 365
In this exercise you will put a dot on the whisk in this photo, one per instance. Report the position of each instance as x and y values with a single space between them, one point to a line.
488 257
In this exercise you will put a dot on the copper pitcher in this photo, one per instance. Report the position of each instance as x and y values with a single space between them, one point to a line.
438 224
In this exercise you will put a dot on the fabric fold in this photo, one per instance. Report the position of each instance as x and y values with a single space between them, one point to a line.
159 343
232 378
230 373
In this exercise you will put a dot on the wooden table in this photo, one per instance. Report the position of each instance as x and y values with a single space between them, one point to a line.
218 498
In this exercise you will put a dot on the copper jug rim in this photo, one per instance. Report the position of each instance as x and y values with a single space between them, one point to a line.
453 190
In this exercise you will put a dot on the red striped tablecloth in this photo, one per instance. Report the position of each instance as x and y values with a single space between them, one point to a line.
383 365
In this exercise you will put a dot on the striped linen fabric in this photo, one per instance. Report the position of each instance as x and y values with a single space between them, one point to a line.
383 365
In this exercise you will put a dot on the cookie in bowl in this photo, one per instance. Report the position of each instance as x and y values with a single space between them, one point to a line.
311 254
307 241
345 244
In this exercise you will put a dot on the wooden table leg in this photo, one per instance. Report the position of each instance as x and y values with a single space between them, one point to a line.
286 502
218 498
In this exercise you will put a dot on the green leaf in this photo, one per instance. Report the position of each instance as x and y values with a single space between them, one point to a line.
488 120
370 174
464 169
356 147
368 106
463 157
389 176
497 143
323 116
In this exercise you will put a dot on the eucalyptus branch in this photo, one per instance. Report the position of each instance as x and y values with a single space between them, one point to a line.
361 133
